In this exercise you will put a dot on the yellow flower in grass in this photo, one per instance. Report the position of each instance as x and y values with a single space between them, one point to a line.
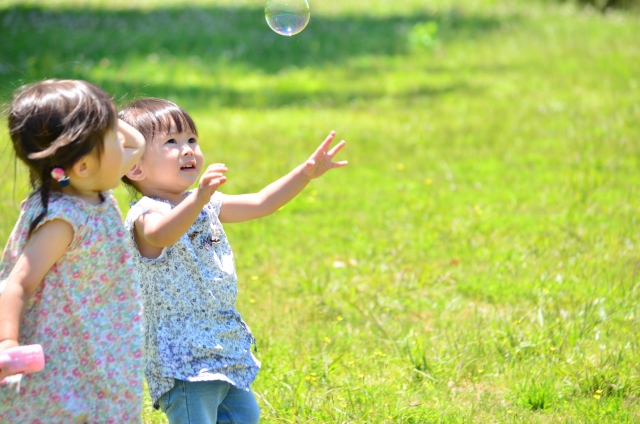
327 340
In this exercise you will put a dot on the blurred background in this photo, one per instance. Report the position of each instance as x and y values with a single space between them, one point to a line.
478 259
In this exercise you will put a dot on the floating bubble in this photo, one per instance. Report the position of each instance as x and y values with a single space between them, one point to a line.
287 17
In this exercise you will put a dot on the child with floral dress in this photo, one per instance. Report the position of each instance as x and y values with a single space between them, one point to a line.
198 360
66 277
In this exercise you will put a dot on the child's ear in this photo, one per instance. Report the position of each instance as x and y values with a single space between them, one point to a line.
135 173
82 168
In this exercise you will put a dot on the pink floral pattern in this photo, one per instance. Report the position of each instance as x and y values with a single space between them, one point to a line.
87 316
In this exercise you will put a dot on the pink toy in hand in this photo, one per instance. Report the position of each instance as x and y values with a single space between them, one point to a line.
22 359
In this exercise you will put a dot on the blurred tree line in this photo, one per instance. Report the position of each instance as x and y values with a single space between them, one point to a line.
605 5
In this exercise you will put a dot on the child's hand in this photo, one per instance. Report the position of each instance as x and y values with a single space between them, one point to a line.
210 180
7 344
321 160
133 143
129 136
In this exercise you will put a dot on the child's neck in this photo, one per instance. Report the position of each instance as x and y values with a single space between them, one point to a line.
90 196
172 197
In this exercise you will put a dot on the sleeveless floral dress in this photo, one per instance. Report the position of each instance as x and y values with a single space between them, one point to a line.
87 316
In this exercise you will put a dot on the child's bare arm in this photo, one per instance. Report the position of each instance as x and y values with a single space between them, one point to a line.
133 143
45 247
238 208
155 230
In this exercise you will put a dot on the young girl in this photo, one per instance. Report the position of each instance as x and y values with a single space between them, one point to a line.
198 360
66 270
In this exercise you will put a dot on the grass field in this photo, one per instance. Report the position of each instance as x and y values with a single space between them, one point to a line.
478 261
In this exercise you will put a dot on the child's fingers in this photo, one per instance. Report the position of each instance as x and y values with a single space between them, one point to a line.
216 167
336 148
216 182
212 174
330 137
211 180
325 144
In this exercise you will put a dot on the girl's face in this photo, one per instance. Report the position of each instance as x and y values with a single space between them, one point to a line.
172 162
108 167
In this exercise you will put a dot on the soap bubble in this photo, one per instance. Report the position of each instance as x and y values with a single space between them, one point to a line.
287 17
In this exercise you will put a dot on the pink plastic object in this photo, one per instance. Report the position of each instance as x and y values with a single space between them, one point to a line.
22 359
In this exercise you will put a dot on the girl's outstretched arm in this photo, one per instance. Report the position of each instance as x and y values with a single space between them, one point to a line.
45 247
238 208
133 143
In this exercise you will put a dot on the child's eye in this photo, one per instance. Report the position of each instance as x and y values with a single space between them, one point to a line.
193 140
171 141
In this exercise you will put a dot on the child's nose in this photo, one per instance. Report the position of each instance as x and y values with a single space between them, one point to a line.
187 150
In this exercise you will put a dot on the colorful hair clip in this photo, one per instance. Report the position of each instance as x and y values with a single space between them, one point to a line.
60 177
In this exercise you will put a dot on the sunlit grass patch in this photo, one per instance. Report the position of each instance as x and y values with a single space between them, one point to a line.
478 259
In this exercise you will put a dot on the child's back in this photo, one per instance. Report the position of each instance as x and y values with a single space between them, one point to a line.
66 274
85 314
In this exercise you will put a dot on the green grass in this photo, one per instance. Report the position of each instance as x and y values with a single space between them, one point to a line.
479 259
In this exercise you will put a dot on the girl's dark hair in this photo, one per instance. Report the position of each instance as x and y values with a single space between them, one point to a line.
153 116
54 123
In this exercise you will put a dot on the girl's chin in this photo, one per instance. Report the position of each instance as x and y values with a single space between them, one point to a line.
186 183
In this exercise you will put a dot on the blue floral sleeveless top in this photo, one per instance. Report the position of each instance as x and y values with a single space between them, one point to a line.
193 331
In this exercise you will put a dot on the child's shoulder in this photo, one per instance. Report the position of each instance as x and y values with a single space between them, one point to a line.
58 204
149 203
144 205
67 208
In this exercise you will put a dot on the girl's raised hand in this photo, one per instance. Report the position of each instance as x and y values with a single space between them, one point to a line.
321 160
210 180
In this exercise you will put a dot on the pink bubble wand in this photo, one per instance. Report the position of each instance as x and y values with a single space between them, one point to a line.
21 360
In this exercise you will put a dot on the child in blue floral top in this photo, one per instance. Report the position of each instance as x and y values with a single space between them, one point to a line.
198 360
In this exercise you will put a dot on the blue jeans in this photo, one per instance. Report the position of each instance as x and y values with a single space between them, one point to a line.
209 402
